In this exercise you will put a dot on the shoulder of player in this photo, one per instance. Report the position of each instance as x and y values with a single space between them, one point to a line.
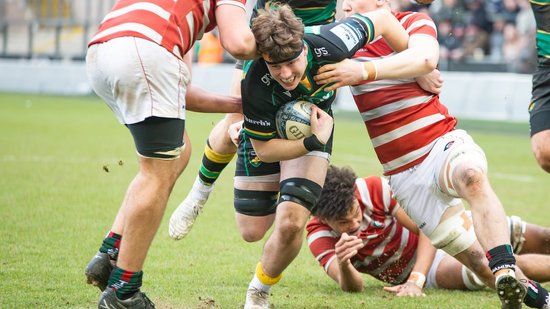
414 19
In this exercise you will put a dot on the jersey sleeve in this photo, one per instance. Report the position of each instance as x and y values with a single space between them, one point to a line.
420 23
259 109
383 203
239 3
321 242
338 41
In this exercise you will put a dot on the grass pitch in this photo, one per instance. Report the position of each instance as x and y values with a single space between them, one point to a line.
65 163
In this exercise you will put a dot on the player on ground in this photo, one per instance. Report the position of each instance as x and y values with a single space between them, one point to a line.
284 73
539 109
431 165
360 228
138 63
219 150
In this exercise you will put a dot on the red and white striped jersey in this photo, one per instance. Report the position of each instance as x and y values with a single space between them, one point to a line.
173 24
402 119
390 249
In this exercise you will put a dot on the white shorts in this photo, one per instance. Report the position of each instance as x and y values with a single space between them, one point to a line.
138 79
431 281
417 189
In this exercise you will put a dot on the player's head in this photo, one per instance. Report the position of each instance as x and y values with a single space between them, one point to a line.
279 38
350 7
337 204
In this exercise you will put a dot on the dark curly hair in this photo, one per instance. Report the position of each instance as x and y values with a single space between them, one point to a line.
278 32
337 195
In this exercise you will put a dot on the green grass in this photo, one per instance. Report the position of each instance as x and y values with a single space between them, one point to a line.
57 202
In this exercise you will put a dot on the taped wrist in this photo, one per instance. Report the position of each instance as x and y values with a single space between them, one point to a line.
312 143
418 278
369 70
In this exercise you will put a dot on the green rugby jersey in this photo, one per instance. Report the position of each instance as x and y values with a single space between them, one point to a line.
262 95
312 12
541 9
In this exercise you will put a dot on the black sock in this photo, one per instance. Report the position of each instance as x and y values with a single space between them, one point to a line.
501 257
213 164
111 245
537 296
125 283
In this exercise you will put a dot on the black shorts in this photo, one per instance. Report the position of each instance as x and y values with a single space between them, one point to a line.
248 163
157 137
539 109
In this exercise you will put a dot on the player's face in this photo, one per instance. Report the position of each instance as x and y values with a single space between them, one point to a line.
350 224
350 7
289 74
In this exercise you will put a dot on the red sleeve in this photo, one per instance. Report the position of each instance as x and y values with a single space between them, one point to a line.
321 241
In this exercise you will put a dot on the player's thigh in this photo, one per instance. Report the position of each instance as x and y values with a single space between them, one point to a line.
138 79
540 143
311 167
449 273
256 183
536 239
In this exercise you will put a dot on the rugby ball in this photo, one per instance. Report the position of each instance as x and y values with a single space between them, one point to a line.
292 120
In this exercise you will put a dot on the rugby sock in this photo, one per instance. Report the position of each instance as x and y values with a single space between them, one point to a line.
125 283
213 164
501 257
261 281
111 245
537 296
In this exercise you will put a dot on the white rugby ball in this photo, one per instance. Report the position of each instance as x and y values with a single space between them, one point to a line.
292 120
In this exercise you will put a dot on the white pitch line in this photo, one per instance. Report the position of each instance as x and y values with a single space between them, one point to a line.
514 177
54 159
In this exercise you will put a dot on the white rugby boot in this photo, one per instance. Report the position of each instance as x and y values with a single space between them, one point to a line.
510 290
184 216
256 299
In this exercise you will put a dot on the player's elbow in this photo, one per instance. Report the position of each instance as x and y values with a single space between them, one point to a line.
241 48
426 64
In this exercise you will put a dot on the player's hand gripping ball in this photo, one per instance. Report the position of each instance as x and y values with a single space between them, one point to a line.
292 120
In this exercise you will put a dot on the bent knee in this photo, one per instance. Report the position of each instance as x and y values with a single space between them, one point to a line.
252 236
290 230
543 159
471 178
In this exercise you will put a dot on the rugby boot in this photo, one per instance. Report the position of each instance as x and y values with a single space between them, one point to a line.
98 270
109 300
510 290
256 299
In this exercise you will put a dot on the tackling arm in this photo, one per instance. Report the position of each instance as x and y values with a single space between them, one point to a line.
235 34
419 58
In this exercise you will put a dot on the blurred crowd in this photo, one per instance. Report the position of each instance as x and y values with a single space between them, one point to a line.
498 32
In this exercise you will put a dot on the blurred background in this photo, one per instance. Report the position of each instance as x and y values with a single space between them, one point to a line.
487 52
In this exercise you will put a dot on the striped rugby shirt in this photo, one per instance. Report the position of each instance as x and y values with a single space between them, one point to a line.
402 119
389 253
173 24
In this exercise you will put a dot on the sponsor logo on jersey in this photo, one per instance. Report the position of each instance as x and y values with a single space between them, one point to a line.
321 52
346 34
263 123
266 79
254 161
449 144
377 224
